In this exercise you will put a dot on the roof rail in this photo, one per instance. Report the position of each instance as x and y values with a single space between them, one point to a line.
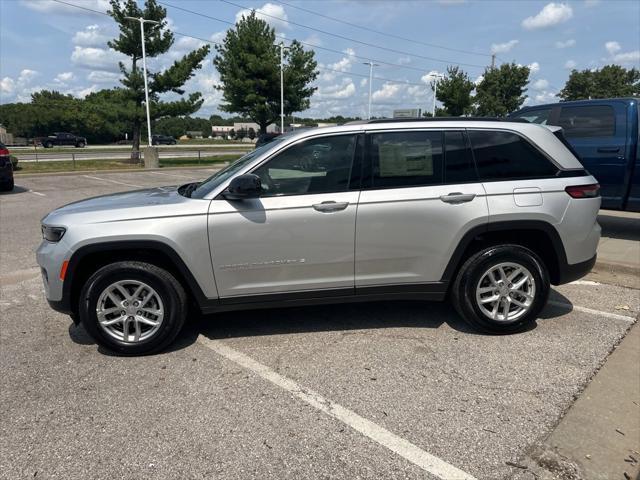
448 119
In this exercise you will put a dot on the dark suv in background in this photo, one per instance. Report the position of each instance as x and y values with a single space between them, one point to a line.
6 169
61 139
163 140
604 135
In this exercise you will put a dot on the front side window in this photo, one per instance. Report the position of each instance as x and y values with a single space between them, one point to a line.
317 165
588 121
504 156
406 159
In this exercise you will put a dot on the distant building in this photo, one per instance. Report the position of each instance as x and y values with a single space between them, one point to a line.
194 134
6 138
223 130
407 113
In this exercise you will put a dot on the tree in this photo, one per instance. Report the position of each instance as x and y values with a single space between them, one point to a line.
501 91
454 91
248 62
158 40
610 81
251 133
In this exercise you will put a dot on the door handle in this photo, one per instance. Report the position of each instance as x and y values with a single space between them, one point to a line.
457 197
608 149
330 206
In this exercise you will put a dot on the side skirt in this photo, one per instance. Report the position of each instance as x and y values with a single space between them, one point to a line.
435 291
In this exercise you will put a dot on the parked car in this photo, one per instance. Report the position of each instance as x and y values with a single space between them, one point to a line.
486 213
604 134
163 140
6 169
61 139
265 138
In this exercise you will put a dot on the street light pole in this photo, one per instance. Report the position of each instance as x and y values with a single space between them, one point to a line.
282 49
435 91
371 65
144 68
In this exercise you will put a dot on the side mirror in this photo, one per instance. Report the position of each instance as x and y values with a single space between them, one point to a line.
243 186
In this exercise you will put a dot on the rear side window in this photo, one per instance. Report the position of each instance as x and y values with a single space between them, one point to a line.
406 159
459 167
540 115
588 121
505 155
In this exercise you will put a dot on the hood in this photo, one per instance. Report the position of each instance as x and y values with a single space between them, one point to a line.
138 204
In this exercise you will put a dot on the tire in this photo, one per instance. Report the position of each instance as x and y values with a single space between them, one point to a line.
47 145
80 145
7 187
473 281
166 295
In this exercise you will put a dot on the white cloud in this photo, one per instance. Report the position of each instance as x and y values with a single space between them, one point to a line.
503 47
478 80
431 76
363 82
342 65
271 13
591 3
617 56
7 85
313 39
345 89
540 84
534 67
100 76
218 37
387 92
96 58
552 14
64 78
27 75
51 7
612 47
91 36
406 60
570 64
565 44
545 97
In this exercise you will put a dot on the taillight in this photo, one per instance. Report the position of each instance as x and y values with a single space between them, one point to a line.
584 191
4 152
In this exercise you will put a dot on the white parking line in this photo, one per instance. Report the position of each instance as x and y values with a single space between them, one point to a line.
171 174
113 181
427 462
37 193
577 308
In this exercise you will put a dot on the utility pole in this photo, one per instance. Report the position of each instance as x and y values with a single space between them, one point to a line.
144 68
282 49
371 65
493 61
435 91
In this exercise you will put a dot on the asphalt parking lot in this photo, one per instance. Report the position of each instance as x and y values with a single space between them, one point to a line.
378 390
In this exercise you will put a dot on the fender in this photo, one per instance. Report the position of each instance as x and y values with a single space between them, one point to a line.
122 245
512 225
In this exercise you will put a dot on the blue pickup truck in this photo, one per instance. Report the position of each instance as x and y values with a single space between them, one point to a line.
604 134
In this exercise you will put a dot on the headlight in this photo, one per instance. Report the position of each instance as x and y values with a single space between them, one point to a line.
52 234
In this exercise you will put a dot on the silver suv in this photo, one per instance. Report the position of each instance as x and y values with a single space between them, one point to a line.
488 213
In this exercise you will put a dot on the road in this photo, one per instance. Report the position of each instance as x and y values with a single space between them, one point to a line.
84 155
374 390
128 147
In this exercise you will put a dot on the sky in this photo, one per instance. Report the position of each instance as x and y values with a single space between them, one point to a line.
49 45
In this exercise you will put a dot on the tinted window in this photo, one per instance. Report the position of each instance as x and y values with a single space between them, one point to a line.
459 167
587 121
314 166
540 115
404 159
505 155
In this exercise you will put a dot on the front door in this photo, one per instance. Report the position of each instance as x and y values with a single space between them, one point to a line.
299 235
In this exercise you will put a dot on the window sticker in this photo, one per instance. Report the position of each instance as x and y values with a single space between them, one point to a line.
405 159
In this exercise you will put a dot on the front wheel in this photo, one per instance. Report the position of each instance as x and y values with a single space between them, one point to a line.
132 308
47 145
501 289
80 145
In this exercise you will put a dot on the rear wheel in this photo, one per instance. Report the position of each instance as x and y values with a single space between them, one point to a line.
47 145
80 145
7 187
501 289
133 308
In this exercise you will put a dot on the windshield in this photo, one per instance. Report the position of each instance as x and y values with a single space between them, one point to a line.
223 175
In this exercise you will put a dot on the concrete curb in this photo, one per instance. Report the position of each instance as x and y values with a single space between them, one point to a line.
117 170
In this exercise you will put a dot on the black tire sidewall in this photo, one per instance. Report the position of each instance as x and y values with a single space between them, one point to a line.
159 280
479 264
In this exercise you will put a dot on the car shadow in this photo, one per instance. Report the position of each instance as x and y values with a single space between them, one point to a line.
324 318
624 228
16 189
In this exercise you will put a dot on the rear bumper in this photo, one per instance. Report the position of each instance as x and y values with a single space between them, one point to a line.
571 272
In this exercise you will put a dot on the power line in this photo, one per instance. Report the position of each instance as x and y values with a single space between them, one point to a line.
379 47
418 42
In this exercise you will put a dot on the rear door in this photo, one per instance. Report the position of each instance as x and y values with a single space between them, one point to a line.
598 134
420 195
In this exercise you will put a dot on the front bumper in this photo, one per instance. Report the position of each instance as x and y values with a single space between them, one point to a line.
50 257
